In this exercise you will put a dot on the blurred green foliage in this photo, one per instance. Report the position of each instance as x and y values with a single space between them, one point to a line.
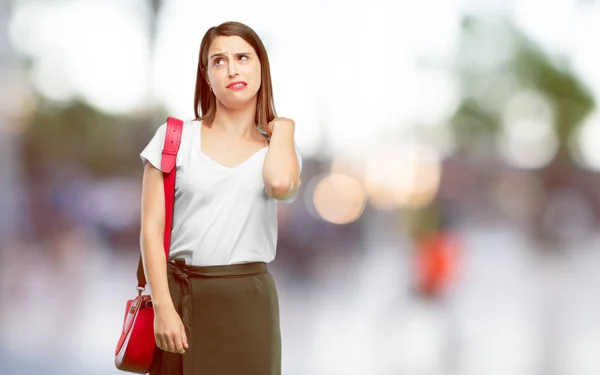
103 144
528 65
494 62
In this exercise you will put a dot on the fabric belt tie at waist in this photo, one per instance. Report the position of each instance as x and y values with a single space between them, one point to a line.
183 272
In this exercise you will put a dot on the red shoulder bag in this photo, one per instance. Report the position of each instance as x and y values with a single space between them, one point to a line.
135 349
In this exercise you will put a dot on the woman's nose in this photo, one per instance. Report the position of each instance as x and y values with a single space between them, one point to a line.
232 69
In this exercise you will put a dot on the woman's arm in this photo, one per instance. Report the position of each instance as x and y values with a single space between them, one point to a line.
151 235
168 329
281 170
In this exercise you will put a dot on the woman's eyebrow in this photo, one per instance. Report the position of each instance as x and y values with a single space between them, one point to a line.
222 54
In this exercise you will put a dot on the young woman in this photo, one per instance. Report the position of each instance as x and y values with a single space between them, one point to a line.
216 305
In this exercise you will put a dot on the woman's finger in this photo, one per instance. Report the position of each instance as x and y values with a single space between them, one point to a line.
169 344
177 342
159 343
184 340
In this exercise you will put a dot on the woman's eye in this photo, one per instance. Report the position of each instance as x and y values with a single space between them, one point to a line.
243 57
218 62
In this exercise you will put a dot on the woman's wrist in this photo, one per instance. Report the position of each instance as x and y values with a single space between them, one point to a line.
162 303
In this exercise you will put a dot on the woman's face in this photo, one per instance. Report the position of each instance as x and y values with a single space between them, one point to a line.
233 71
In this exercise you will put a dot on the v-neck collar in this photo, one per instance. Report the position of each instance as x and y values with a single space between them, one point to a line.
198 139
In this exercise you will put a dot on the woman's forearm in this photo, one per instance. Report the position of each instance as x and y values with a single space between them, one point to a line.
155 267
151 236
281 171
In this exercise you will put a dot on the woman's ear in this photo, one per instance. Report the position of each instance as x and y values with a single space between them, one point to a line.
205 77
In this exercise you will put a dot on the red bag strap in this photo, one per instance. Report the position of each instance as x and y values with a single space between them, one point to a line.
169 157
168 162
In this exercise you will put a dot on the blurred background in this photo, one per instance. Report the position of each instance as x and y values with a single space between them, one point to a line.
448 219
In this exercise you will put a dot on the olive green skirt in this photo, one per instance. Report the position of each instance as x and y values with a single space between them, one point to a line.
231 318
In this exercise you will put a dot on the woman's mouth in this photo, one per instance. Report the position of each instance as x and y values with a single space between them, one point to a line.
237 85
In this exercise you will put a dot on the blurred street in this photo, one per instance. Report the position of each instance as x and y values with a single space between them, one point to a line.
511 314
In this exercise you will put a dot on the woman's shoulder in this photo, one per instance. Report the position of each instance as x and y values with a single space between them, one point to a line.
187 134
187 124
188 131
191 124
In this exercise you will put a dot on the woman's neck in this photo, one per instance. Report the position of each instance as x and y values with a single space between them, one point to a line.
235 122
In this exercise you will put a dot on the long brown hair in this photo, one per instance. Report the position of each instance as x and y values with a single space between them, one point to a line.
265 107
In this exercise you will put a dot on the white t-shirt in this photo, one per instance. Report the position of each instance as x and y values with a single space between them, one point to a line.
221 215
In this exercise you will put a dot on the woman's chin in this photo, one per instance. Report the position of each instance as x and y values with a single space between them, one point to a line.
240 102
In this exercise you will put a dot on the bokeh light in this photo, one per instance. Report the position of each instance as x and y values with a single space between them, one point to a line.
584 144
339 199
402 175
528 139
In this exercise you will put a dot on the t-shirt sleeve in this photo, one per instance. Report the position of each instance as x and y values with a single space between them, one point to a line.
153 151
299 156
